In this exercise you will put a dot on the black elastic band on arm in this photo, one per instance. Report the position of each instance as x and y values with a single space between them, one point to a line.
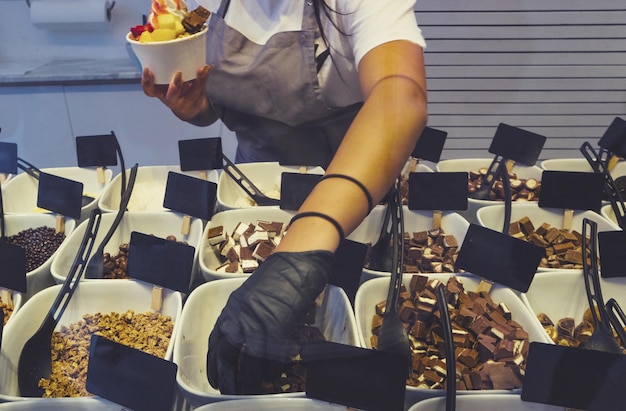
370 201
323 216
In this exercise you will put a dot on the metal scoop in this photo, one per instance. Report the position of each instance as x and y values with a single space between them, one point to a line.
602 338
392 336
95 267
35 360
246 185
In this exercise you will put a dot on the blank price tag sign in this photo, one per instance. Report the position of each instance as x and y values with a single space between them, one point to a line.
438 191
130 377
13 267
611 248
160 261
355 377
8 158
295 188
516 144
575 378
499 258
190 196
614 138
571 190
96 151
200 154
430 144
60 195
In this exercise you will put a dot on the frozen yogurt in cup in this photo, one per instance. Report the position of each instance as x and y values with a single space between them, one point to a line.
172 40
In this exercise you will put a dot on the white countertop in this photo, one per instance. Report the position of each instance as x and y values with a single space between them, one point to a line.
35 72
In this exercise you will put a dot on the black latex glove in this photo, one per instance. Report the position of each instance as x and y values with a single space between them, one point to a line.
259 317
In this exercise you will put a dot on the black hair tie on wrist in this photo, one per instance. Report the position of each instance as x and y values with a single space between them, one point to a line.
323 216
370 201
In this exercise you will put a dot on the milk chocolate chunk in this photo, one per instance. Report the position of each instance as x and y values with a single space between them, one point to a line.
263 250
216 235
565 327
194 21
504 378
418 283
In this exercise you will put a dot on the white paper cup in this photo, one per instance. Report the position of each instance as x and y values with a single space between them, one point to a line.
164 58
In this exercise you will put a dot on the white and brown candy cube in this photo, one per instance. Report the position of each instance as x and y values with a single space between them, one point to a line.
246 246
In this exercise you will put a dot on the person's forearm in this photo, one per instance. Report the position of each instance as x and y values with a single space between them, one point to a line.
374 150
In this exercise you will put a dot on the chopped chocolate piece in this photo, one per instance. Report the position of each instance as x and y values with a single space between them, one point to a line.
565 327
249 265
504 378
195 20
380 307
467 356
216 235
263 250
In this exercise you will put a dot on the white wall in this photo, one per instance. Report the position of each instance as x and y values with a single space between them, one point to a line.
557 68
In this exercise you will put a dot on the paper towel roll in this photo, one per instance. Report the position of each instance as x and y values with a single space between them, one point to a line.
71 14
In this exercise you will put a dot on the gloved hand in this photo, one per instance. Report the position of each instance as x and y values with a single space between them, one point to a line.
259 317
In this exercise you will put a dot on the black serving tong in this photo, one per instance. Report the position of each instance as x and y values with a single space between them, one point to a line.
246 184
35 360
598 164
602 338
617 318
379 258
34 172
392 336
95 266
446 326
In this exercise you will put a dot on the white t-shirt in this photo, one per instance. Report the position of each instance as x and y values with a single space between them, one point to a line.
364 24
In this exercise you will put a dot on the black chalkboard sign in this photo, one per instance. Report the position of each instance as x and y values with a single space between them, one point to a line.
571 190
160 261
96 150
438 191
430 144
514 143
130 377
614 138
8 158
575 377
60 195
295 188
190 196
499 258
200 154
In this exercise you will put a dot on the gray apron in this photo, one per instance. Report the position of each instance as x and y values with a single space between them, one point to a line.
270 94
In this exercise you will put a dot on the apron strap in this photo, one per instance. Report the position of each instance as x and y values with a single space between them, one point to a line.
221 11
